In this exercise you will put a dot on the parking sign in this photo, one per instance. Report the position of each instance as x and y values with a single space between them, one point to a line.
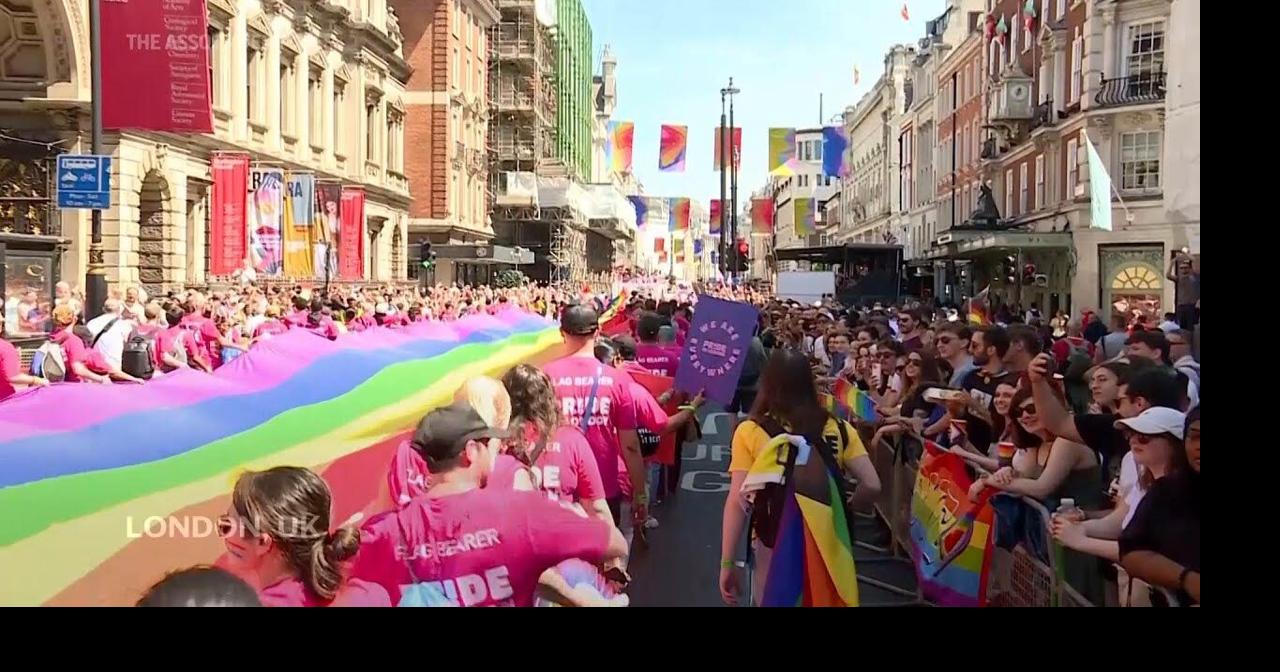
84 181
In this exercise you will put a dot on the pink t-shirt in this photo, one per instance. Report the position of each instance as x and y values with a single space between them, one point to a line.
298 318
503 476
566 468
74 350
481 548
326 328
660 359
407 476
206 336
292 592
613 410
363 322
270 327
10 363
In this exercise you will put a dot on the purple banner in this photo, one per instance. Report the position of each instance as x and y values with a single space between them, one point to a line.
716 348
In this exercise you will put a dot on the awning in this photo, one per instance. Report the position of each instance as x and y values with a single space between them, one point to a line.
970 244
483 253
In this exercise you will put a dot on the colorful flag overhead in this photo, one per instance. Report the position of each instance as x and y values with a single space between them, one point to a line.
782 147
641 204
718 163
805 214
715 215
835 159
619 143
762 215
679 218
906 16
671 152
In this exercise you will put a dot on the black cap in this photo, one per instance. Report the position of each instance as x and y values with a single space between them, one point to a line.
444 432
579 320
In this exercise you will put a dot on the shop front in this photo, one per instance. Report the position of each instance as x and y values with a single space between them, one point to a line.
1020 268
1133 281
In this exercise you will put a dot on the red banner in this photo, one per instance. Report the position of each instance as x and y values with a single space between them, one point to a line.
664 445
719 162
714 218
155 66
659 244
229 200
762 215
351 239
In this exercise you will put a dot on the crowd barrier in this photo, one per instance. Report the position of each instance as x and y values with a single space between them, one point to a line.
105 488
1017 578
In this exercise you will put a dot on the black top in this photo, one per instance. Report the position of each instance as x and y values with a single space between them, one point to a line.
1168 522
1098 430
982 385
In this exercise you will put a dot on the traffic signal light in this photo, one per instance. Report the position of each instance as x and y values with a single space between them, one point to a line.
425 255
1009 269
741 257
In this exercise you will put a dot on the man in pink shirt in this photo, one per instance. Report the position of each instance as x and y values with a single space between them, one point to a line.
652 355
11 368
597 399
205 333
461 544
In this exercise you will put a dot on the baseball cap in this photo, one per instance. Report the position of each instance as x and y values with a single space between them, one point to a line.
444 432
1156 420
579 320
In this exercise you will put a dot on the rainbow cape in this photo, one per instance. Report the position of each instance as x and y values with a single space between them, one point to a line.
812 563
951 537
104 489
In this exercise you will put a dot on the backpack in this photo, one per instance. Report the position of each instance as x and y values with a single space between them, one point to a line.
50 362
766 510
138 358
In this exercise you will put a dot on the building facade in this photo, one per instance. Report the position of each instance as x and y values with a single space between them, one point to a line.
807 183
573 79
306 87
870 196
447 45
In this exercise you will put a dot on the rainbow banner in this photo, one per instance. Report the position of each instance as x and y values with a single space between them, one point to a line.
835 157
671 151
679 209
951 537
978 309
762 215
714 218
106 488
641 205
805 216
782 152
812 563
618 146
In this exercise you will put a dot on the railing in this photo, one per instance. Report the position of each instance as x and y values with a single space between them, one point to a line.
1147 87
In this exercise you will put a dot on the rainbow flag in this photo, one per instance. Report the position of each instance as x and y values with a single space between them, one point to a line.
951 537
762 215
805 216
673 145
812 564
618 146
847 402
106 488
613 318
979 310
679 217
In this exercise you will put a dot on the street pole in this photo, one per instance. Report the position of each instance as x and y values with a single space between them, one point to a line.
733 185
723 261
95 282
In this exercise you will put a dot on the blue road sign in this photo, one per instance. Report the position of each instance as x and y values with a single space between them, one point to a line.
84 181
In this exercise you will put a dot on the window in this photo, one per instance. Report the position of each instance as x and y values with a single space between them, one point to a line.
817 150
339 118
288 115
217 87
1023 186
253 86
977 143
964 146
457 63
1073 168
1062 9
1027 36
370 131
1077 66
1008 193
1140 160
315 107
1146 49
1039 193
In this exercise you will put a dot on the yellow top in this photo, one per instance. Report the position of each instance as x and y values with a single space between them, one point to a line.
750 439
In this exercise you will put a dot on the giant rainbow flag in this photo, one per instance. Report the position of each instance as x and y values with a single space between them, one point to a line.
104 489
812 563
951 537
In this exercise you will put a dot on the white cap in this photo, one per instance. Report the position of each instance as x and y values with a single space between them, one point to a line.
1157 420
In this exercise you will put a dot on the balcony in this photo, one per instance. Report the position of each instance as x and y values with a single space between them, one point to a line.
1042 115
1147 87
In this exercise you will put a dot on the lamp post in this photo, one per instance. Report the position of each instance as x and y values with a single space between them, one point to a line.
723 262
733 182
95 281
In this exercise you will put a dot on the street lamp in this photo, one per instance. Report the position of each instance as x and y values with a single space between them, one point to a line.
728 153
95 281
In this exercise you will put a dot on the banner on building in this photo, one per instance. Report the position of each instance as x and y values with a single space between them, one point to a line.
659 244
736 149
155 66
351 241
228 223
328 221
619 145
782 150
762 215
266 214
674 144
678 220
1099 188
300 239
835 155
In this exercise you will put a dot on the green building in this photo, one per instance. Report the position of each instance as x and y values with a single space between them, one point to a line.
574 115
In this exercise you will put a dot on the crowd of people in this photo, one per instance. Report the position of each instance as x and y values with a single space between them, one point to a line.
532 489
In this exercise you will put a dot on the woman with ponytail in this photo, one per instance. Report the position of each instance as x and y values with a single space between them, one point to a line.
279 540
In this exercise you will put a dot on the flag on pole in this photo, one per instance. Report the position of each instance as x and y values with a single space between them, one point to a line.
906 16
762 215
989 27
715 216
619 143
735 150
671 153
1099 188
805 212
642 209
979 312
835 160
782 149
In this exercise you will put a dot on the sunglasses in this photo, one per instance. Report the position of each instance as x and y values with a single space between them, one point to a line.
1144 439
946 340
1024 410
914 362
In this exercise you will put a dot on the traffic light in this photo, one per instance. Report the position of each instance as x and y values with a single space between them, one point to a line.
425 255
741 258
1029 274
1009 270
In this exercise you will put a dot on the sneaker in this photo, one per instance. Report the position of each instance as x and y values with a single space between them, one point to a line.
651 523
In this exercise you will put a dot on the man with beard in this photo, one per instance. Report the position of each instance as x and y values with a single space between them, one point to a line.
989 346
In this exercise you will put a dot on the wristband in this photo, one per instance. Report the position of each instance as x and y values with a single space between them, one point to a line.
727 564
688 407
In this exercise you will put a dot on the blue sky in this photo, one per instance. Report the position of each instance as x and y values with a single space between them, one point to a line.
674 56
